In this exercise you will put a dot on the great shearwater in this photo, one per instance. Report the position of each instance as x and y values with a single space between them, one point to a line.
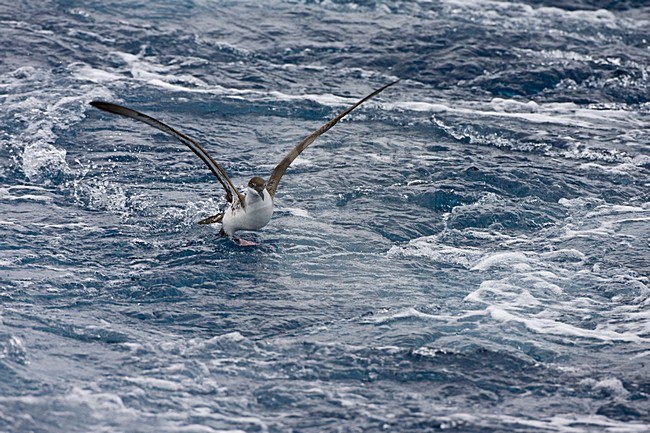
250 211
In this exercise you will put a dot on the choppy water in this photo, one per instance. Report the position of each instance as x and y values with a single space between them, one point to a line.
468 252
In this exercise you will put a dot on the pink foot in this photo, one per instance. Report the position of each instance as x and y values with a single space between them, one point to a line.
244 243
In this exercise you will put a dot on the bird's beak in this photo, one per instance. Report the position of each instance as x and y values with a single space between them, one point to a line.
260 191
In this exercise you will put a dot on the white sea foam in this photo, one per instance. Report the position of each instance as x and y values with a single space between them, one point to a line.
102 405
302 213
147 70
555 327
39 156
517 261
401 314
235 337
14 349
41 112
433 249
101 194
532 281
18 194
561 423
565 113
85 72
103 409
150 382
497 122
197 428
495 12
101 402
605 220
612 386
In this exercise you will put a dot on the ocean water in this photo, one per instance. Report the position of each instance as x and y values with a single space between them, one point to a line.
468 252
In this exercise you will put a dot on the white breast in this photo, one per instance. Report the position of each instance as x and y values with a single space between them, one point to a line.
253 216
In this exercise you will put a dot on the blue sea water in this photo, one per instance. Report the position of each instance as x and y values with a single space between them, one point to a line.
468 252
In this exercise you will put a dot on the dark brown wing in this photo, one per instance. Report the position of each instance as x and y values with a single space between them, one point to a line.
272 184
212 219
216 169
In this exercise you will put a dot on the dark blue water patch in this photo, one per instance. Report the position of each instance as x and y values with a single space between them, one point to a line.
154 293
464 62
76 332
440 200
179 318
639 390
497 374
533 82
590 5
498 183
499 217
400 231
479 383
69 294
275 398
620 411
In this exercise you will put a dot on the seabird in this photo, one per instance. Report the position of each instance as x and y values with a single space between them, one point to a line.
250 211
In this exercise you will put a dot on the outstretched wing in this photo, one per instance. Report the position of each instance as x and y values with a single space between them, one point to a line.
272 184
216 169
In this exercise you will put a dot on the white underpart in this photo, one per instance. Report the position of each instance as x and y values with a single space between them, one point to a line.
255 214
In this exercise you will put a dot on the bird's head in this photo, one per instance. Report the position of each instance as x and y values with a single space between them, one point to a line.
258 185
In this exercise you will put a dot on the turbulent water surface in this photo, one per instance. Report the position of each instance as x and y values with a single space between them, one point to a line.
469 251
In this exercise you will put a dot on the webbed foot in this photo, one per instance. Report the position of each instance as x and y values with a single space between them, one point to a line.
244 243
